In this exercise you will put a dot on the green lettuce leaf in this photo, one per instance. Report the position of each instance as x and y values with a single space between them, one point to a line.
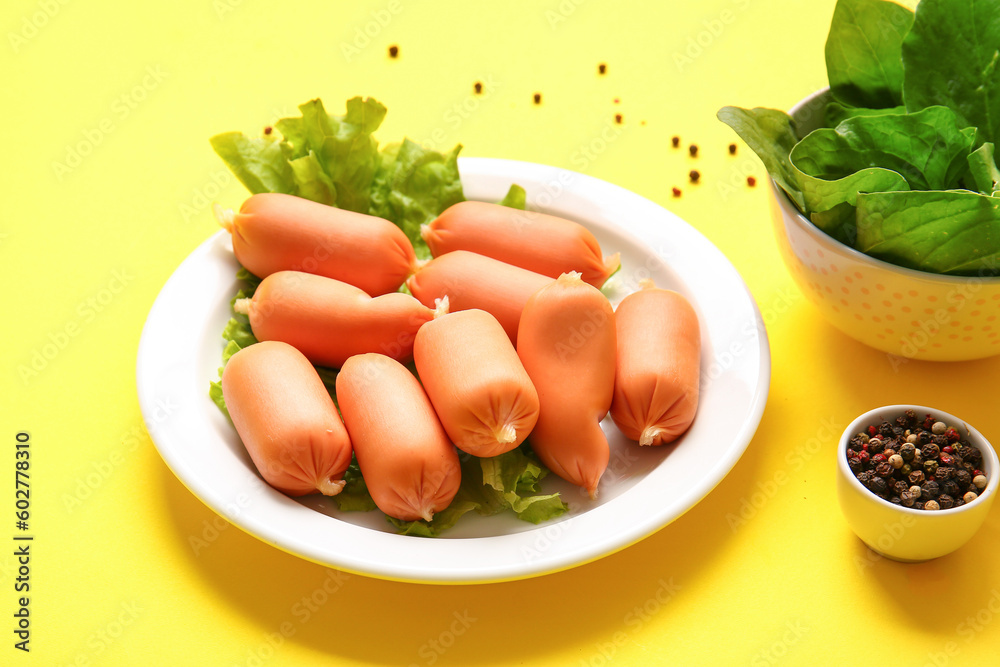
515 476
864 61
311 182
950 58
215 393
249 280
326 158
413 185
516 197
441 522
354 497
237 335
492 485
955 232
329 378
259 163
929 148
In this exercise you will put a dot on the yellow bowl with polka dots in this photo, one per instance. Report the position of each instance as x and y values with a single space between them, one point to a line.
907 313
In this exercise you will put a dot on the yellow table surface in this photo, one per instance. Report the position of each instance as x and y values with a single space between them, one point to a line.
134 90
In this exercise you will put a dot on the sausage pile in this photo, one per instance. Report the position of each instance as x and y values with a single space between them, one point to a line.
509 332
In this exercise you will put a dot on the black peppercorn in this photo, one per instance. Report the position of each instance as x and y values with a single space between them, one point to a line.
875 446
693 150
602 68
946 501
879 487
856 465
916 477
930 451
902 423
899 487
944 473
537 97
911 417
929 490
884 469
856 443
907 451
950 487
906 499
478 87
918 505
940 440
963 477
923 437
885 429
971 455
675 141
393 51
895 500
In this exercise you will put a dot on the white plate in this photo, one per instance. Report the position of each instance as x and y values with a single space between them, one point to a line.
643 489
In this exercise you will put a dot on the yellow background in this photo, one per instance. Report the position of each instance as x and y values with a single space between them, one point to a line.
115 579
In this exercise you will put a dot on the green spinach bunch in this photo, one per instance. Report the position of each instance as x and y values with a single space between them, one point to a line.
902 165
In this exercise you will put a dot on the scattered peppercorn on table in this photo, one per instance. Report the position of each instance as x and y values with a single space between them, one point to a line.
111 182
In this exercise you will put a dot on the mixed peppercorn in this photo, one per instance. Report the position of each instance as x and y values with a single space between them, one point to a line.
919 463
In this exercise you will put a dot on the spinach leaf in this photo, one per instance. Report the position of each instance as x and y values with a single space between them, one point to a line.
771 135
983 169
928 148
864 52
840 222
830 204
955 232
950 58
836 113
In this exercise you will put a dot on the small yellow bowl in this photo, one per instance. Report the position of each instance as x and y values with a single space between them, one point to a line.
902 533
911 314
